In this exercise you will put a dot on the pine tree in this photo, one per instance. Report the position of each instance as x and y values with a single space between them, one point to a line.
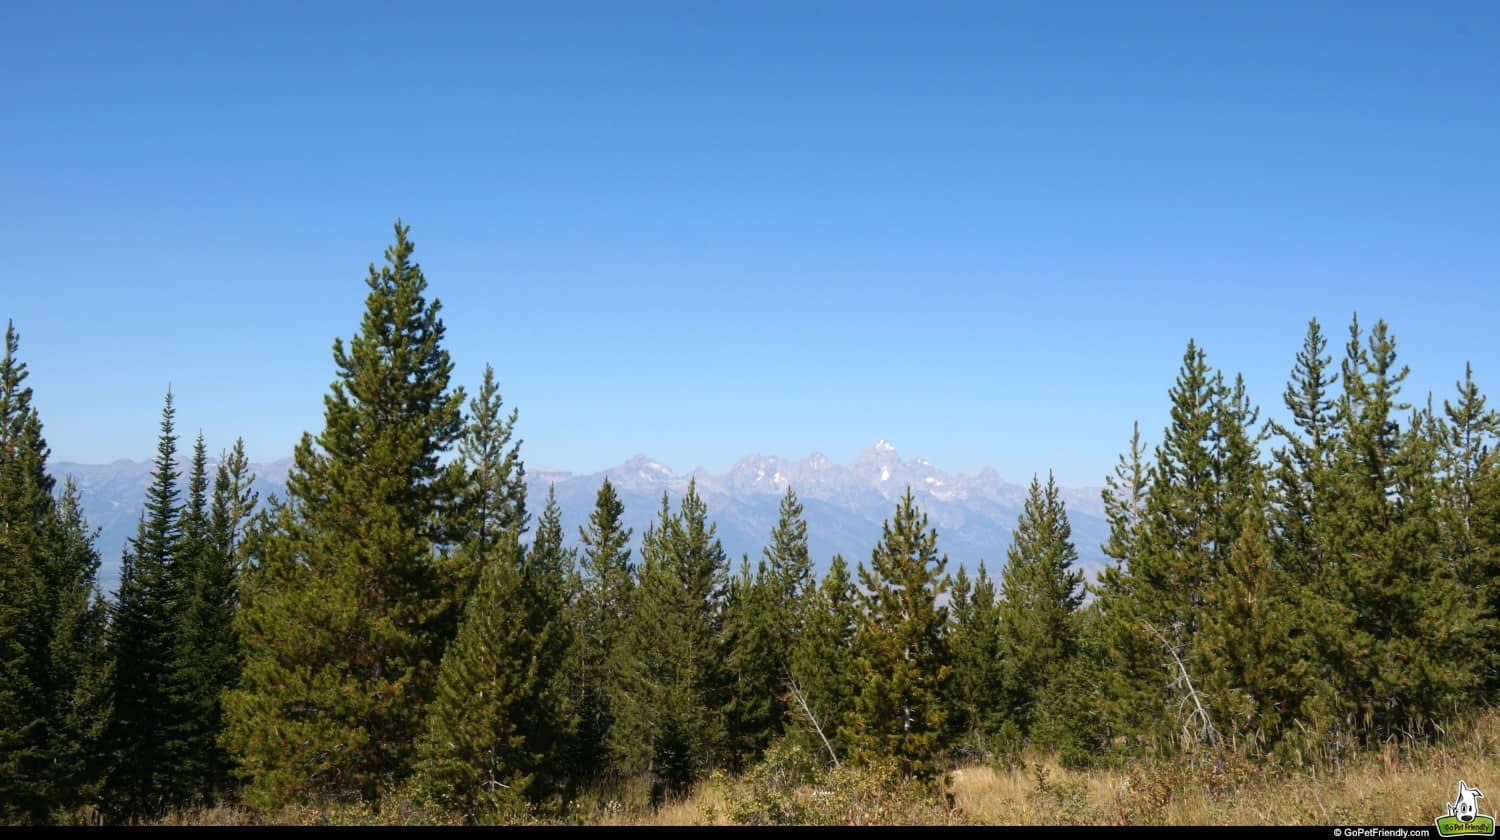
193 529
184 746
497 731
478 756
53 689
493 480
1302 511
547 576
1152 605
344 624
670 707
789 570
823 678
206 661
1068 717
1127 682
978 709
25 499
1485 521
755 664
148 711
78 689
1125 499
764 621
1255 673
1303 463
1401 632
1472 496
900 648
1041 589
600 615
958 725
1467 439
1174 562
1239 476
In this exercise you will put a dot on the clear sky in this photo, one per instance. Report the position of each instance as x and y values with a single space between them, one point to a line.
697 230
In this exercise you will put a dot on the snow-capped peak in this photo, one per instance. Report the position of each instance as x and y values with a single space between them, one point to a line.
646 468
884 445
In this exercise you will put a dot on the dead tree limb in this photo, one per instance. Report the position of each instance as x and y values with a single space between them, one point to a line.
1206 730
812 718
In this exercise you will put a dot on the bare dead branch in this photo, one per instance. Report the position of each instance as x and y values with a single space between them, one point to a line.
1206 730
812 718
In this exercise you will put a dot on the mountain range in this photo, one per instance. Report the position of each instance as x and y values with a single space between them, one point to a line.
844 504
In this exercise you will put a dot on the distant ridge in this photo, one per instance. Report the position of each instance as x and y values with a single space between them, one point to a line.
844 504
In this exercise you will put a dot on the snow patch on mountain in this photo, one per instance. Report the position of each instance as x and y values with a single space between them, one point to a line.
844 504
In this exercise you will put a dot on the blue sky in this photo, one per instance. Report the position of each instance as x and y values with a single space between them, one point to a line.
696 230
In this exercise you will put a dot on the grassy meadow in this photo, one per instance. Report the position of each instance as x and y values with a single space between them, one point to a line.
1401 784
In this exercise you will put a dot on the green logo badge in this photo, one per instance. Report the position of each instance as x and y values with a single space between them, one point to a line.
1463 818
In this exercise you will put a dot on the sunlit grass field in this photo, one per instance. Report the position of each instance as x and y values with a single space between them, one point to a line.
1400 784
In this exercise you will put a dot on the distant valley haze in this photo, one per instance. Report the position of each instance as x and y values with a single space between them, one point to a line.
845 504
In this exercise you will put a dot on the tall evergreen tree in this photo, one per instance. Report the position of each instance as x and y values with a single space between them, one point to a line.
1128 693
764 619
1472 510
498 728
478 755
789 567
547 576
492 478
53 695
670 709
207 660
1303 467
1041 589
823 679
78 688
1239 475
978 707
755 663
184 745
25 497
1255 675
1467 439
1069 714
1124 497
1485 524
1400 636
1174 563
902 655
1204 478
600 615
146 779
345 623
1303 517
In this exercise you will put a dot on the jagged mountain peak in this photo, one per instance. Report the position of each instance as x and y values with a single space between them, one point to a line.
882 451
844 503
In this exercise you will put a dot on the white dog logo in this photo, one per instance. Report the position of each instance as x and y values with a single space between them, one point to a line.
1465 806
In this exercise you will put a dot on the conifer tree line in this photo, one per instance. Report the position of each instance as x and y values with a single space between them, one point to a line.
402 626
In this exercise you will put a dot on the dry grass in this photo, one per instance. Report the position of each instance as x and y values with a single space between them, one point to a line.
706 806
1401 785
